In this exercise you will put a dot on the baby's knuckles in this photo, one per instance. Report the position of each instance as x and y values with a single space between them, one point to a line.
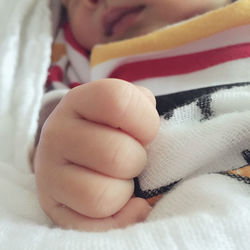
133 109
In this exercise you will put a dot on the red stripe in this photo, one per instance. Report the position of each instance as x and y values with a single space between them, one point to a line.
55 74
74 84
71 40
178 65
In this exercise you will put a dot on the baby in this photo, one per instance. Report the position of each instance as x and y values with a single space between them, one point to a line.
92 145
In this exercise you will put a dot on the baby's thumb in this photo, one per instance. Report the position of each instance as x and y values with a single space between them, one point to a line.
136 210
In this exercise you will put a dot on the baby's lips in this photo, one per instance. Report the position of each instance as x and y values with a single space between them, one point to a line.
114 15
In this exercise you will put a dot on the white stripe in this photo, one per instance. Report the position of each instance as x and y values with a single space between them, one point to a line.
229 37
60 37
79 63
226 73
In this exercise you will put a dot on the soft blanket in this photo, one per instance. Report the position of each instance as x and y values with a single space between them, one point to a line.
219 222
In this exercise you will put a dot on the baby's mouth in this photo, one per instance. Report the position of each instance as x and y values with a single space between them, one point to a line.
115 16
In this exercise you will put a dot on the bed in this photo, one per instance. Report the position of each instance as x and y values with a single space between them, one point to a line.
25 49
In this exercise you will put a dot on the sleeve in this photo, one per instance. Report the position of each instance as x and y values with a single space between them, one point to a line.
50 101
69 68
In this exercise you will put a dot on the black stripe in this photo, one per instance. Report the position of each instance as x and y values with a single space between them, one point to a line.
245 179
146 194
204 103
166 103
246 155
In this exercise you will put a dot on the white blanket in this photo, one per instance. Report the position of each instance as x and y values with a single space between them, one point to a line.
25 53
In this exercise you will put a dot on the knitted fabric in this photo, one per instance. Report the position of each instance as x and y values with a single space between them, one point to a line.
204 129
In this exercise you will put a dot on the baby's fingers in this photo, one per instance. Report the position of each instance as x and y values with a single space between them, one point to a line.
136 210
84 191
95 146
117 104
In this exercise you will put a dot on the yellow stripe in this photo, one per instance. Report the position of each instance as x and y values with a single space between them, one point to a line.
233 15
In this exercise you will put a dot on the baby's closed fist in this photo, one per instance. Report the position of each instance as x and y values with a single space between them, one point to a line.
90 149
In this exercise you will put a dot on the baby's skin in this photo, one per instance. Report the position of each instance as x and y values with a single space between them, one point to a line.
91 147
93 143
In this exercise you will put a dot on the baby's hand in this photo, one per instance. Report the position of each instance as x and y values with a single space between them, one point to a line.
91 147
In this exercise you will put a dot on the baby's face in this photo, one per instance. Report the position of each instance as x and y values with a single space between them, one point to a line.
101 21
